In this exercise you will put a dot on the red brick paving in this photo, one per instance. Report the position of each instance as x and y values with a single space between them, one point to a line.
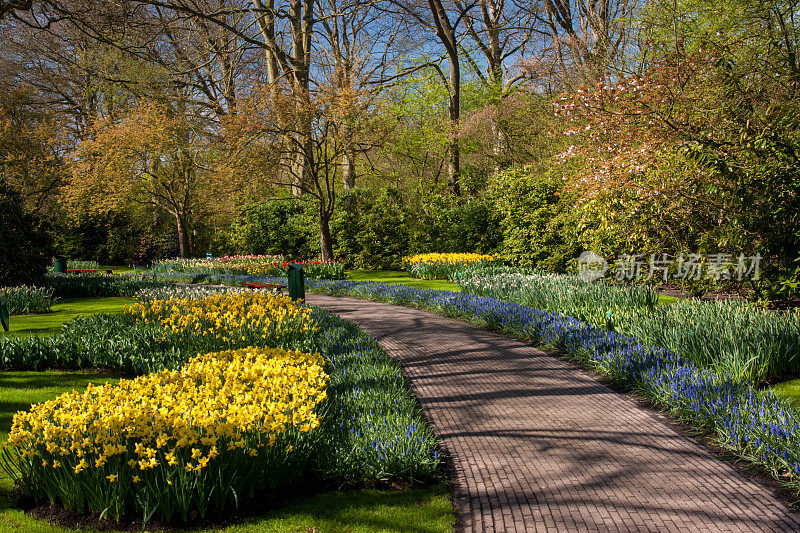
539 445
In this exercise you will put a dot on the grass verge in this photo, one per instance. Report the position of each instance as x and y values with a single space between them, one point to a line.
789 390
401 277
47 324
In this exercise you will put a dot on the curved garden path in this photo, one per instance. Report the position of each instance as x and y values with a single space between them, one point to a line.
539 445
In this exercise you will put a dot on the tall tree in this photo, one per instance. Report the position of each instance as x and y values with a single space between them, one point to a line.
500 31
586 40
154 156
443 20
270 125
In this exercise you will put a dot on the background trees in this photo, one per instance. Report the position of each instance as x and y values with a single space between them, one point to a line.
531 129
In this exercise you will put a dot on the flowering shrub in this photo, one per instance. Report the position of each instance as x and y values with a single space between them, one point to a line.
442 266
224 425
753 424
251 265
26 299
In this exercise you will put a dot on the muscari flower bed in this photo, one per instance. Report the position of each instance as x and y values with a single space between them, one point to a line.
753 424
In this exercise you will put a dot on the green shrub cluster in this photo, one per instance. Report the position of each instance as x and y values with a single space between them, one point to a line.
278 227
376 229
371 229
538 219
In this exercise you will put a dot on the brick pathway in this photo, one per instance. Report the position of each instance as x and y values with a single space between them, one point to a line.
539 445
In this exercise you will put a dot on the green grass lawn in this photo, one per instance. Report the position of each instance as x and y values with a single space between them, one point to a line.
789 390
664 299
63 311
395 276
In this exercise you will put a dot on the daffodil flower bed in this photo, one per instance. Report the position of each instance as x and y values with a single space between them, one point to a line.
370 428
442 266
164 333
166 444
244 319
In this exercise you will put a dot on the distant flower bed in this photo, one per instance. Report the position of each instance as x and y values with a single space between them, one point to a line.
252 265
82 263
225 424
755 425
442 266
97 284
24 299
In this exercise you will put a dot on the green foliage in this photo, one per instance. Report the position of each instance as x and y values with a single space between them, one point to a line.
600 304
448 224
741 340
538 220
26 249
280 227
131 236
376 229
370 229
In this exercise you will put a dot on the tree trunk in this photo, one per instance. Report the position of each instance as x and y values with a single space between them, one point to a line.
454 110
349 170
184 243
325 241
302 162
